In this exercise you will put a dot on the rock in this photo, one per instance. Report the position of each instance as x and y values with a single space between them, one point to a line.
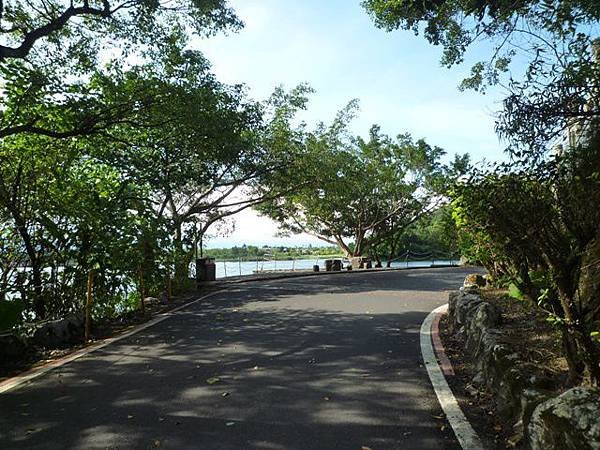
452 298
475 279
464 306
471 390
478 379
470 289
530 399
485 317
57 333
11 346
151 300
570 421
516 398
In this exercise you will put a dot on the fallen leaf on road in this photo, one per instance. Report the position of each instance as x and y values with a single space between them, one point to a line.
156 444
365 448
326 399
225 394
129 416
230 424
213 380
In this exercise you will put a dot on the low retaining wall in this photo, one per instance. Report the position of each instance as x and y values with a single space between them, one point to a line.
524 392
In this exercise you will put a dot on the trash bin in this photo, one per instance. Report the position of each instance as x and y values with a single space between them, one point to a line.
205 269
316 268
337 265
328 265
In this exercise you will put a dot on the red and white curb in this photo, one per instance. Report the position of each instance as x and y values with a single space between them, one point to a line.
15 382
466 435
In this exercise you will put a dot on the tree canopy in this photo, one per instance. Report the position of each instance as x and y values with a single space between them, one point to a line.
353 192
119 148
542 54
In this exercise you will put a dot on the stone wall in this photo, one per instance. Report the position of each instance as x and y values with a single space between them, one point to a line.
524 392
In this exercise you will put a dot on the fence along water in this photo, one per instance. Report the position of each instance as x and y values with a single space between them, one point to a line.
241 267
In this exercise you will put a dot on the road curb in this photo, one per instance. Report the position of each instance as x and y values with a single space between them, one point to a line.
466 435
440 352
18 380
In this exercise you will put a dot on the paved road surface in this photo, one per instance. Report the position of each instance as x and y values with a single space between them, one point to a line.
327 362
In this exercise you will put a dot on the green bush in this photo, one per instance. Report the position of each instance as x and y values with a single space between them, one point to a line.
10 314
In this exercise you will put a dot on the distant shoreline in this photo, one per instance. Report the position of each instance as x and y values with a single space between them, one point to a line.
278 258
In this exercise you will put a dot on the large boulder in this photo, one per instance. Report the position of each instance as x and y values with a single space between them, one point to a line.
61 332
570 421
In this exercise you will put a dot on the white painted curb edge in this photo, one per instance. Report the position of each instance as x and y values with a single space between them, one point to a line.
466 435
13 383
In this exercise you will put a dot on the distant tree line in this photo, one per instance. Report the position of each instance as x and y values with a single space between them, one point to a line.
252 252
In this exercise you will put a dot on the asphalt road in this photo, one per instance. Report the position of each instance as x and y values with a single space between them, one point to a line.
327 362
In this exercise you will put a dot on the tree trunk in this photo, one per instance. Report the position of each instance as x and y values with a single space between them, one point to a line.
38 293
39 306
169 287
391 254
88 306
181 258
576 366
586 349
358 244
344 247
142 291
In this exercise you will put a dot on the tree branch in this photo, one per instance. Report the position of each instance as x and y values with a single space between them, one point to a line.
31 37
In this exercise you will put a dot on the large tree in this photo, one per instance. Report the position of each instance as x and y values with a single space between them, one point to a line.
130 200
349 189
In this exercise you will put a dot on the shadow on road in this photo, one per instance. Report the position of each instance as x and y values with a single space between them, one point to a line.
294 364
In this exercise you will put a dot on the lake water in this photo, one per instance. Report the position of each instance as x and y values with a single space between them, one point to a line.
237 268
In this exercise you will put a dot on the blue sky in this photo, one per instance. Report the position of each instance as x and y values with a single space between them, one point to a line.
335 47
